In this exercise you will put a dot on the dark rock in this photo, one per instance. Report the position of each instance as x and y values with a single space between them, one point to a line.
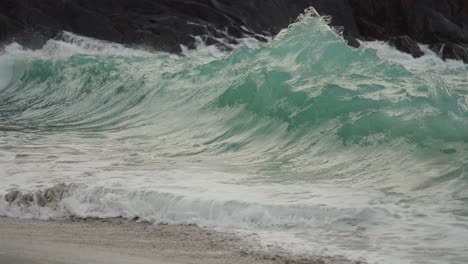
422 20
34 38
341 14
381 19
371 31
161 24
451 51
425 21
440 28
7 27
353 42
167 24
407 45
437 48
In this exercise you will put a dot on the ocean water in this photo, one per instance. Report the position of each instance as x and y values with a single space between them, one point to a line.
309 144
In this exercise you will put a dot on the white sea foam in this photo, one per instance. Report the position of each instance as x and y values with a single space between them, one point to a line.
306 219
429 62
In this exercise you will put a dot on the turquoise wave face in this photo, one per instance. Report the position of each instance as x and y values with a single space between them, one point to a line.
306 78
302 89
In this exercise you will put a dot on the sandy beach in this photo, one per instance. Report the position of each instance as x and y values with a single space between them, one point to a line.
119 241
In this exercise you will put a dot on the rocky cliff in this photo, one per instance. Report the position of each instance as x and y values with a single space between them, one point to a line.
164 24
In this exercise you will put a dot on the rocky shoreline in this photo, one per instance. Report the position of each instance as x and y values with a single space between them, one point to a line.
165 25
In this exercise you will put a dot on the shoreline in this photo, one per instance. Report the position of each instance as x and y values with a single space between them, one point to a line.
118 241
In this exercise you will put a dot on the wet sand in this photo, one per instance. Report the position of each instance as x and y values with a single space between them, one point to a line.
119 241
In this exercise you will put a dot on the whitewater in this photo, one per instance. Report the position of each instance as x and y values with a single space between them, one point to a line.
305 142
